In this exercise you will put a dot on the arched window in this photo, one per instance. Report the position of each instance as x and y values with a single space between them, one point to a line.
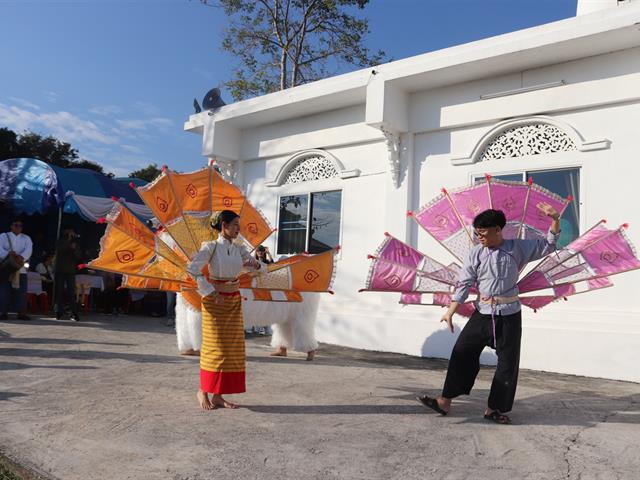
312 167
529 139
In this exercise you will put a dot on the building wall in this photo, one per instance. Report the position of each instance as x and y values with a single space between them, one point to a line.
596 334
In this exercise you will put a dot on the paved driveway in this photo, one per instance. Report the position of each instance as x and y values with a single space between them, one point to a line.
109 398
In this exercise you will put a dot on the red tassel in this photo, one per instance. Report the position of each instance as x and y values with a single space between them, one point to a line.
337 248
115 199
370 257
488 177
570 198
530 181
81 266
409 213
625 225
443 190
101 220
164 168
132 185
604 220
386 234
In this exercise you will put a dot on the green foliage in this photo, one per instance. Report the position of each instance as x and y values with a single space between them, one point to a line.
283 43
47 149
148 173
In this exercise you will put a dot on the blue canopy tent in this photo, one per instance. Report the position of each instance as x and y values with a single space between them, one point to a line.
30 186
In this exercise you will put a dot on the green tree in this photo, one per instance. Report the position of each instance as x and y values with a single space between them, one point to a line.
8 144
284 43
148 173
47 149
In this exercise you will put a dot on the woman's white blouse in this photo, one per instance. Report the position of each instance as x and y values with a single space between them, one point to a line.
225 259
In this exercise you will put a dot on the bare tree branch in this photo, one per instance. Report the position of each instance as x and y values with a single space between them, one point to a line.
283 43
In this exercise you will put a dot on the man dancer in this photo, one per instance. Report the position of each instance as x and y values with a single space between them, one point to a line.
493 267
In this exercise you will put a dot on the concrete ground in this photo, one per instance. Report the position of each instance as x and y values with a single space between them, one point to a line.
108 398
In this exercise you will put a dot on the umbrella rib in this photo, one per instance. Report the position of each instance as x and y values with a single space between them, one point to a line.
457 214
578 252
184 219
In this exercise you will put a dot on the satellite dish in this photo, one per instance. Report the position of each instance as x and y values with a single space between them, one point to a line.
196 105
212 100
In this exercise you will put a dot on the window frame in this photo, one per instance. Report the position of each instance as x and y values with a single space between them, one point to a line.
308 194
507 169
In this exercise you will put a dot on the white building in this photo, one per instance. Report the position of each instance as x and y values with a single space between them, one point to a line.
383 142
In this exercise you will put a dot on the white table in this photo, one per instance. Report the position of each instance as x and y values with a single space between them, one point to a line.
84 283
34 283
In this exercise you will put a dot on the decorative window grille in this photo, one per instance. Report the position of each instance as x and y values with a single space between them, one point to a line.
314 167
532 139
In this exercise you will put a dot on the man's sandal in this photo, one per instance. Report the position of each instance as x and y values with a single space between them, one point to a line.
497 417
431 403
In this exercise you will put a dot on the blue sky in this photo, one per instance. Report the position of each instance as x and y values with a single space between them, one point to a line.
117 78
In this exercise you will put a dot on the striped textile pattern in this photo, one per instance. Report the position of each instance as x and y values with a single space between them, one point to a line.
222 355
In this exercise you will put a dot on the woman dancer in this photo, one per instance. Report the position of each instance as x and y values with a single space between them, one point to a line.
222 355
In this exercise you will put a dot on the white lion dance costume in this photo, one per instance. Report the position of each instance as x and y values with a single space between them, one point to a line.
293 323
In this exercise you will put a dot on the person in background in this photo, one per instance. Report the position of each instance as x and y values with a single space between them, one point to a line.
171 309
45 269
39 251
16 244
107 296
263 255
68 256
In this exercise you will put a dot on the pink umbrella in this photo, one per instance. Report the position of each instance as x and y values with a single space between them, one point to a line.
584 265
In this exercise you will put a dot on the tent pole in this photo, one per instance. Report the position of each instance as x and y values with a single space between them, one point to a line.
59 223
55 250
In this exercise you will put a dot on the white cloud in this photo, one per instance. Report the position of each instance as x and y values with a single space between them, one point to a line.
161 122
131 148
146 108
144 124
105 110
25 103
51 96
132 124
63 125
120 145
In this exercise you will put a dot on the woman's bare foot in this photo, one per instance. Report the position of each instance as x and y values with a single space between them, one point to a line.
190 353
218 401
281 352
311 355
203 400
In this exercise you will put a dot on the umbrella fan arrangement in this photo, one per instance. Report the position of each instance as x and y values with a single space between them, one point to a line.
183 204
584 265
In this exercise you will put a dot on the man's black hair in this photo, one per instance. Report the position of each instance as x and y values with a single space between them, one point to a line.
490 218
